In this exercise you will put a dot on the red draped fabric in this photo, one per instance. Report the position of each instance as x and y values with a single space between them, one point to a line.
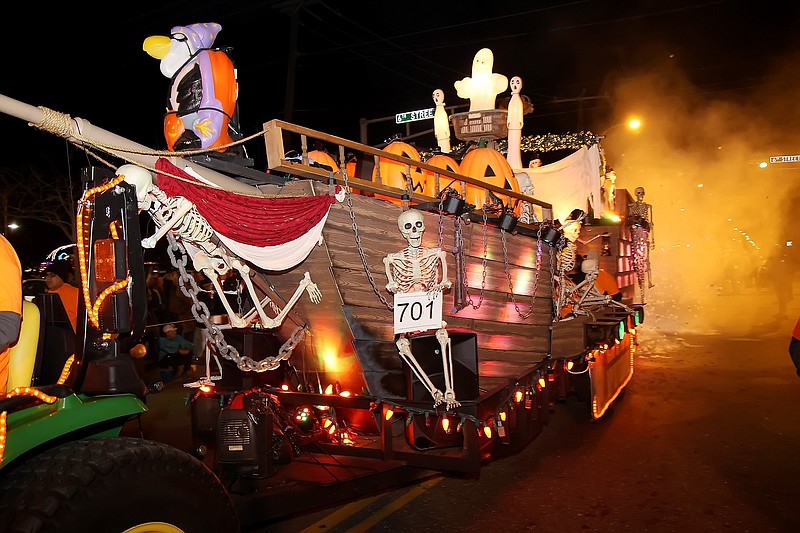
253 220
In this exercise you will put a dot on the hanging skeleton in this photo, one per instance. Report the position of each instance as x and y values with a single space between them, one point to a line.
640 224
413 269
178 215
565 262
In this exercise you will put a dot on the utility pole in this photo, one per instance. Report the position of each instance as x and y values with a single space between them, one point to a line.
580 100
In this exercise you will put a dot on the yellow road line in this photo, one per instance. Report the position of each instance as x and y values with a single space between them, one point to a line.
351 509
394 506
340 515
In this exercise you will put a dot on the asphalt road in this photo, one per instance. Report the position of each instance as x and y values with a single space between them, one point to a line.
705 438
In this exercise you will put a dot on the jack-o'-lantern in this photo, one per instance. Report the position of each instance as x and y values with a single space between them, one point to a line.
393 173
491 167
323 158
444 162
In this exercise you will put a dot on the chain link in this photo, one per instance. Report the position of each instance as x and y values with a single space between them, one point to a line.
212 333
484 263
349 201
536 278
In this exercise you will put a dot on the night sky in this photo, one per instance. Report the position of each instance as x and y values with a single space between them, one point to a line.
585 65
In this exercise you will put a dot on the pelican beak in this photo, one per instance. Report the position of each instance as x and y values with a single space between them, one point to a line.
157 46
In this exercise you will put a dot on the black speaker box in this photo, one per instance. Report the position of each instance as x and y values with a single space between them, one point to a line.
422 434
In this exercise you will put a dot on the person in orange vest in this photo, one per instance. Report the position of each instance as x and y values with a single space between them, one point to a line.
794 346
58 274
10 305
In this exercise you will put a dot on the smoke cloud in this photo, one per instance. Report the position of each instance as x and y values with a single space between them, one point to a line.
721 261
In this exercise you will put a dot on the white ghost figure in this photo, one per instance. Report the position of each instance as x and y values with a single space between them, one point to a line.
483 87
441 124
514 122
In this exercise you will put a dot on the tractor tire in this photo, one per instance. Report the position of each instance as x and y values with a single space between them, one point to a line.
114 485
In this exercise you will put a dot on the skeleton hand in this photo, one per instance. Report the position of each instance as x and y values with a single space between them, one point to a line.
148 242
312 289
314 293
392 287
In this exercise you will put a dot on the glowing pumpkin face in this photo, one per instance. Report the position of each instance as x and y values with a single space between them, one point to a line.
491 167
444 162
393 173
323 158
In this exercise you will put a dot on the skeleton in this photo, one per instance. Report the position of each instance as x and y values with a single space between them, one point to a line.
565 262
585 296
416 268
180 216
640 223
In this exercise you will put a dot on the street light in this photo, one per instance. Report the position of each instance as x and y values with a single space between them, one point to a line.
13 225
632 124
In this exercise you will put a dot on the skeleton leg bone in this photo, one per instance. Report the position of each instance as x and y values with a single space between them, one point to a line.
305 284
205 263
447 363
404 348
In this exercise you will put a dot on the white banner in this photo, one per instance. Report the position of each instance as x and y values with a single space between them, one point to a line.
417 311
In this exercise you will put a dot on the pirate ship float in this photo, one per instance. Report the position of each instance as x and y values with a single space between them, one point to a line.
331 230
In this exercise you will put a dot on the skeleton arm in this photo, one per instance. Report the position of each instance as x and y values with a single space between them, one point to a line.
392 286
181 207
652 225
445 283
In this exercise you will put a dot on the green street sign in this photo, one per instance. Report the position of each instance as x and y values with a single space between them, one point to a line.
411 116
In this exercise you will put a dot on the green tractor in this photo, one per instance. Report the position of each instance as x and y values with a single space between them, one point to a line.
64 464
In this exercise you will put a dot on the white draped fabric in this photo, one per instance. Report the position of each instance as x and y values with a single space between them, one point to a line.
569 183
279 257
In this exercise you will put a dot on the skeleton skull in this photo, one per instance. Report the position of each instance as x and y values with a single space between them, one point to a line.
142 180
411 226
571 230
639 192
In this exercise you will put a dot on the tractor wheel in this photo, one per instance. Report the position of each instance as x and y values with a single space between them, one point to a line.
114 485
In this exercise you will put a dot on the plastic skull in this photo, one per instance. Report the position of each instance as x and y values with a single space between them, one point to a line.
411 226
639 192
571 230
142 180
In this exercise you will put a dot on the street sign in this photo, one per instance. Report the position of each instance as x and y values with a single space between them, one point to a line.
411 116
784 159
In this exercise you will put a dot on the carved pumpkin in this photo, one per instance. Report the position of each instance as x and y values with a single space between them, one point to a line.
491 167
393 173
324 158
429 178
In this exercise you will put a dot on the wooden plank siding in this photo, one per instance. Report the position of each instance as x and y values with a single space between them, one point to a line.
506 301
513 332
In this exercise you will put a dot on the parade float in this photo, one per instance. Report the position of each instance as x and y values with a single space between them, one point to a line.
404 307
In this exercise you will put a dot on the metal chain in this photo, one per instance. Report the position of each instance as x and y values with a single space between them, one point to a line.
555 280
212 333
536 278
484 263
349 200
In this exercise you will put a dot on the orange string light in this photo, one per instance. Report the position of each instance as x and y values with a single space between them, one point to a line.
84 213
65 371
19 391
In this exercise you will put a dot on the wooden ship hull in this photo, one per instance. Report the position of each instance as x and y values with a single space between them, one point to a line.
513 359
